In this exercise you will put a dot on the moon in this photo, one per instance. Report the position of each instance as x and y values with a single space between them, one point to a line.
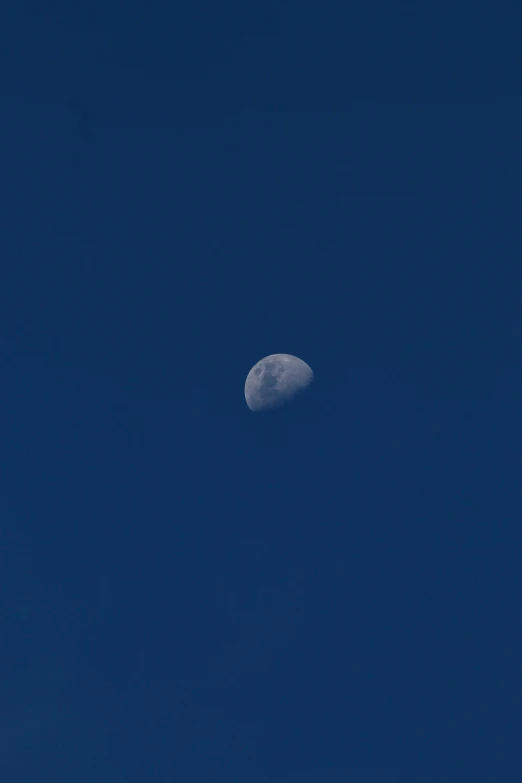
276 380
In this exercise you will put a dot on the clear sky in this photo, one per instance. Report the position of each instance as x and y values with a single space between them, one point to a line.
192 592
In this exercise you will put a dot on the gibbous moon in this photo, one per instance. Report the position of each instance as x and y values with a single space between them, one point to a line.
276 380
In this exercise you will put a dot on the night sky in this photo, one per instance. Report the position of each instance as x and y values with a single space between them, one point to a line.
191 592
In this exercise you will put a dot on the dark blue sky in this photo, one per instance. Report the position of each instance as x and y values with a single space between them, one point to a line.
191 592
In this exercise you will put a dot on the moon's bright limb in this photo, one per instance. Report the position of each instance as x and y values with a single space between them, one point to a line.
275 380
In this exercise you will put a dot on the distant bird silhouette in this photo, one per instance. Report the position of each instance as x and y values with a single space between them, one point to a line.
82 114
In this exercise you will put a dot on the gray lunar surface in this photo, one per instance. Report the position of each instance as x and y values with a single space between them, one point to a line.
276 380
